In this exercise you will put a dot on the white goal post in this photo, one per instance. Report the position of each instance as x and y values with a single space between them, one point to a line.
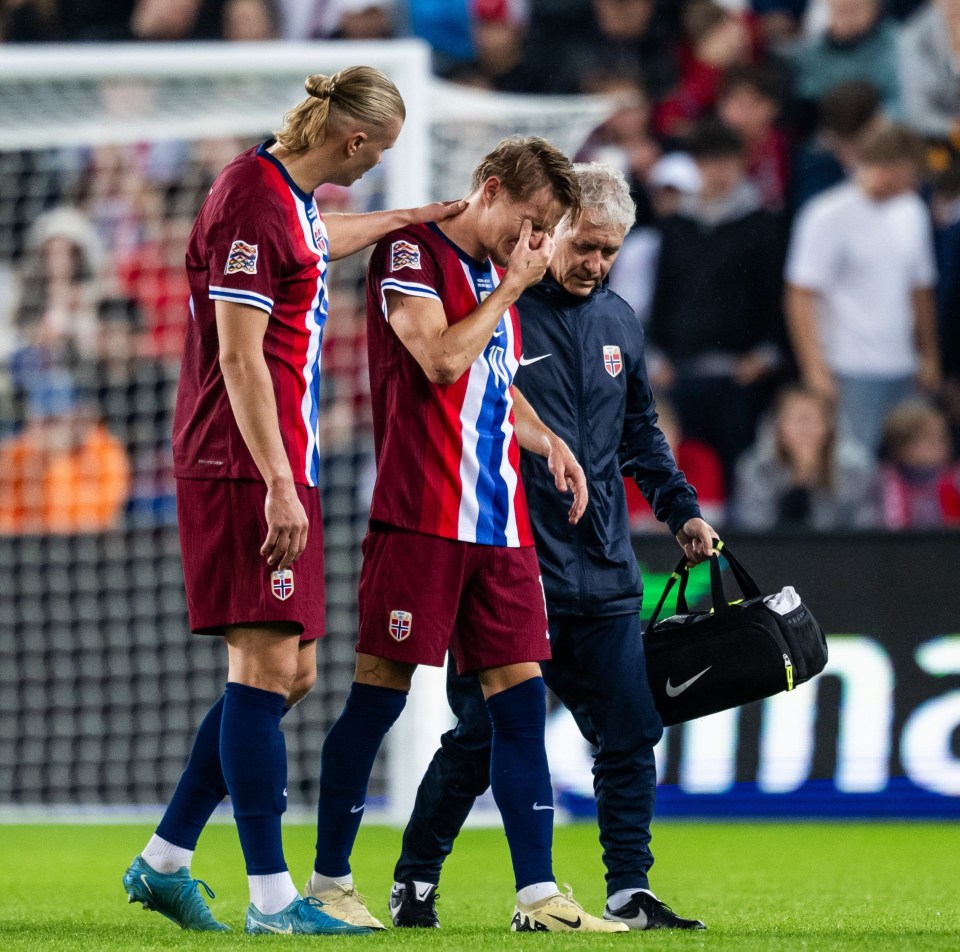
54 96
76 97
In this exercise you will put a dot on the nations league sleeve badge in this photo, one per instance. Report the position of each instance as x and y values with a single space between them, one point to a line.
404 254
242 258
281 584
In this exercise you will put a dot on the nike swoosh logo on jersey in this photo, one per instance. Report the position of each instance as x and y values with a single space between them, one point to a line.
357 809
265 925
526 361
680 688
573 923
545 806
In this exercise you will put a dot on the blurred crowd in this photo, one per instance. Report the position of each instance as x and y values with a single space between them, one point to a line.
795 262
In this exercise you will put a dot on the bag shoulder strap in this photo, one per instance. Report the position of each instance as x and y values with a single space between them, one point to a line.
679 574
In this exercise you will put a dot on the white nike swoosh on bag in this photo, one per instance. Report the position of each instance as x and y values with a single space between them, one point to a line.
537 806
357 809
680 688
526 361
269 928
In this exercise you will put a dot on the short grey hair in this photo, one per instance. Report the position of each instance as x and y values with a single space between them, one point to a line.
604 195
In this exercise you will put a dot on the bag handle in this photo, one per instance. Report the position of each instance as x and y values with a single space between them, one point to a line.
748 587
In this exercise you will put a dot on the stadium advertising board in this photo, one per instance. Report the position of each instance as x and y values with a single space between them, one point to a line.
877 734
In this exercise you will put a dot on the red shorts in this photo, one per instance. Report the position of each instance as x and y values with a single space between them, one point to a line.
228 581
420 594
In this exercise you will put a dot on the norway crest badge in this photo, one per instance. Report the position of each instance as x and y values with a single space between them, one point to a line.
281 584
242 259
401 624
612 359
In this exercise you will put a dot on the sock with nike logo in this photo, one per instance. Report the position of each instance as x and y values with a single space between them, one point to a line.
520 779
254 759
345 765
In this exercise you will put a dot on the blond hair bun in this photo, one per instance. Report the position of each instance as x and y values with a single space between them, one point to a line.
319 86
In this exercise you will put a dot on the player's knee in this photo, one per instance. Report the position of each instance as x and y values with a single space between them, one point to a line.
383 672
495 680
302 685
260 659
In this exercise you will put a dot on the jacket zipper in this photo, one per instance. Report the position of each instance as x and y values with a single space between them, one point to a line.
582 457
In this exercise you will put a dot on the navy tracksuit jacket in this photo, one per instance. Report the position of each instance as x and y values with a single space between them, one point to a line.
583 371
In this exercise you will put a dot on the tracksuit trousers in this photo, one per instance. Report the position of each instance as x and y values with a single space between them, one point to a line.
599 672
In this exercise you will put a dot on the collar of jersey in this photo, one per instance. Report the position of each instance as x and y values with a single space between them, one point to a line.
484 266
264 154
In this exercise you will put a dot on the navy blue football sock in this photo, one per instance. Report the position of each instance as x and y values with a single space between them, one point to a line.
254 758
201 786
345 764
520 779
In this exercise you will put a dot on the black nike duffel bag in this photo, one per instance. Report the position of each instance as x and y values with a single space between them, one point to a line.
737 652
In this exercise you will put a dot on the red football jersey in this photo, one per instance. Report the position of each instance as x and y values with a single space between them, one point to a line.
258 240
448 461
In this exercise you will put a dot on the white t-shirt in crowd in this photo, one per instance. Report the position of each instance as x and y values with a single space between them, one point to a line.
865 259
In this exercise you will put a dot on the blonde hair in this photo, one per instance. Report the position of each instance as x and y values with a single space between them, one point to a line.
360 94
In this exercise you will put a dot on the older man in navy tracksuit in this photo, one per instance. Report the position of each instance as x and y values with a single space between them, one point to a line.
583 372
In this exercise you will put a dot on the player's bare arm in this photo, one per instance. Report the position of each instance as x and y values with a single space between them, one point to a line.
240 329
445 351
349 233
536 437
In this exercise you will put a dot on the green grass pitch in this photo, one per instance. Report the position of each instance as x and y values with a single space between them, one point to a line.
759 886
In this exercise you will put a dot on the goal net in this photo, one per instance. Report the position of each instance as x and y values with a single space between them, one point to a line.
105 155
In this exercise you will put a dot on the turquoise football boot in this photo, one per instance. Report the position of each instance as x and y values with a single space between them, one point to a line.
174 895
304 916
